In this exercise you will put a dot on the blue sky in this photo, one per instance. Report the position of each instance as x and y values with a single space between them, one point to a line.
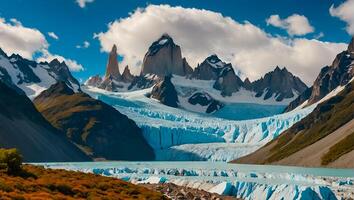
73 24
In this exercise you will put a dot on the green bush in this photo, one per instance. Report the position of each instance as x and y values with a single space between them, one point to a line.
12 159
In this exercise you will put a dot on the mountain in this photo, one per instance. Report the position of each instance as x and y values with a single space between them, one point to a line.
165 92
112 69
32 77
209 69
127 76
163 58
111 80
323 138
99 129
338 74
94 81
24 128
279 83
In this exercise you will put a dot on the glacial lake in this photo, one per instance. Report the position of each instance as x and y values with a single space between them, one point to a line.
202 166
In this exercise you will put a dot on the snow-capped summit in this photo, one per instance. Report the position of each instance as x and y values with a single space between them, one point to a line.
280 84
94 81
210 68
163 58
32 77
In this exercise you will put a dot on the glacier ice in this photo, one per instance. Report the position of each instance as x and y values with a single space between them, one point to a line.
172 131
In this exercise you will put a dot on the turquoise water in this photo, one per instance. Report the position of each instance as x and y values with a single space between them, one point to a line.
244 111
328 172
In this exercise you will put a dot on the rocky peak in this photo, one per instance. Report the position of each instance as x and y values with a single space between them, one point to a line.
164 58
126 75
94 81
164 40
63 74
112 69
247 84
279 82
165 92
210 68
351 45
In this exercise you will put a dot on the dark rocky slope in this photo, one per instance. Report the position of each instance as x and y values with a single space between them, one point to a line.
98 128
165 92
24 128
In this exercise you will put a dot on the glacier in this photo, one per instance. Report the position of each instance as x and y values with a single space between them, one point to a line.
177 134
242 181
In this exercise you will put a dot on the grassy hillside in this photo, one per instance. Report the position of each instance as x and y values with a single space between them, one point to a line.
99 129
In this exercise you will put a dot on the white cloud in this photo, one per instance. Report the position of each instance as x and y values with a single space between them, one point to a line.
201 33
85 45
82 3
72 64
53 35
294 24
16 38
345 12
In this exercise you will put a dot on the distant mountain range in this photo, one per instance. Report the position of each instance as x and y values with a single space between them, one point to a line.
325 137
164 58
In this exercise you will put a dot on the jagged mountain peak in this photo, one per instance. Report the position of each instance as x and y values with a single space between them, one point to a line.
112 69
279 82
164 40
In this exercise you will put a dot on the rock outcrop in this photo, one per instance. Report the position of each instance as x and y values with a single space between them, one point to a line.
205 100
24 128
100 130
165 92
228 82
279 83
164 58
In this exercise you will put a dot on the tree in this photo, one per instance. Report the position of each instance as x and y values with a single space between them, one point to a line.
11 159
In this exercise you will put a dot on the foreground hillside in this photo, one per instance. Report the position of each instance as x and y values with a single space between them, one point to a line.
24 128
101 130
62 184
323 138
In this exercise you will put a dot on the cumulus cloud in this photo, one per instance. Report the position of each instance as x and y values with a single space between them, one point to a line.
201 33
294 24
82 3
53 35
84 45
345 12
72 64
16 38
